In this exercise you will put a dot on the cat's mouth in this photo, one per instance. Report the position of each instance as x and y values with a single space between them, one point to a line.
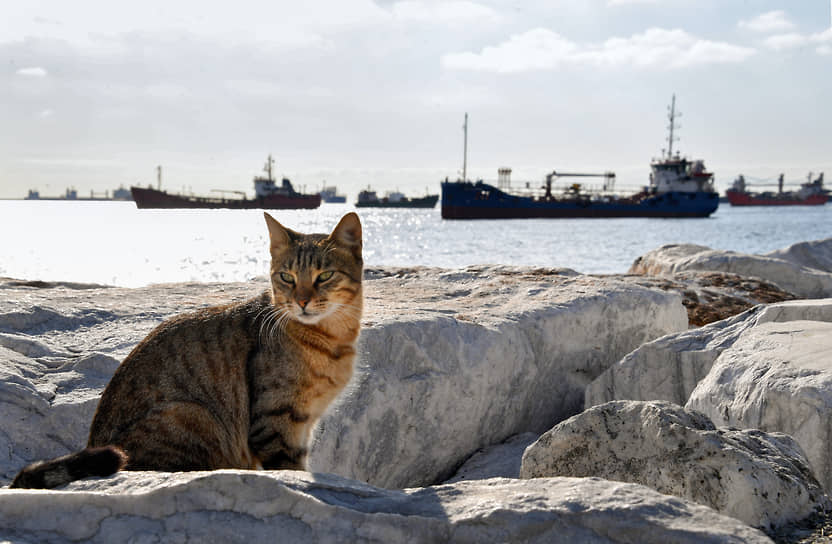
308 317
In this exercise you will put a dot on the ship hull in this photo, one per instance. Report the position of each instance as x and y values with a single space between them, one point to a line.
737 198
147 198
424 202
465 200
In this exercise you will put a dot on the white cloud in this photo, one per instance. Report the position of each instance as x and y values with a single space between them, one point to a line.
780 42
629 2
657 47
824 50
541 49
537 49
33 71
281 24
771 21
822 37
442 12
46 114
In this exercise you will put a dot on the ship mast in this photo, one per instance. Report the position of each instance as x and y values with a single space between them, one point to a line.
465 149
671 116
268 168
159 177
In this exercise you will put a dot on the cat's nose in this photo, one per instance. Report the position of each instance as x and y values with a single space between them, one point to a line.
302 302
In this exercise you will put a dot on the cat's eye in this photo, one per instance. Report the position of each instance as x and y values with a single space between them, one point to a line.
286 277
324 276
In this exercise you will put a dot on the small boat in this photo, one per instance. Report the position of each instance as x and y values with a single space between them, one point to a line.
810 193
369 199
678 188
267 195
330 195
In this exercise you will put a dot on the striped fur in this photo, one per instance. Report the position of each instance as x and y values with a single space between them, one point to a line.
235 386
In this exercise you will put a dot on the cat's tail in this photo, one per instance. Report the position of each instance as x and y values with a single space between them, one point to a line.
101 461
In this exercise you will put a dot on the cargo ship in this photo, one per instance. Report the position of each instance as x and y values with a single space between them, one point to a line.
810 193
369 199
330 195
678 187
267 195
72 194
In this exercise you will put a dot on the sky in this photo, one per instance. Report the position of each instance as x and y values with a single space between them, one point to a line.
358 93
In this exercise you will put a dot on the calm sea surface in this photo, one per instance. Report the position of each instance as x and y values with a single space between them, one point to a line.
114 243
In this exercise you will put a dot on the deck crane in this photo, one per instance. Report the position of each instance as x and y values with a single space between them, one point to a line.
609 181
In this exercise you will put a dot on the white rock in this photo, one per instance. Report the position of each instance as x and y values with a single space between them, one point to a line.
499 461
451 361
762 479
245 507
776 377
787 274
669 368
465 359
816 254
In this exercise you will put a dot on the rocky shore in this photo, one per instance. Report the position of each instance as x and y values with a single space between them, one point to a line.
685 401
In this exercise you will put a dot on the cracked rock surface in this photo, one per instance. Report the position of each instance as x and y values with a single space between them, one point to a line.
287 506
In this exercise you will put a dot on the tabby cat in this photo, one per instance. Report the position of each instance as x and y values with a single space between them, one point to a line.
236 386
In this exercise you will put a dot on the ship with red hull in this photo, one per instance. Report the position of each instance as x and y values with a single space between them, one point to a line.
811 193
267 195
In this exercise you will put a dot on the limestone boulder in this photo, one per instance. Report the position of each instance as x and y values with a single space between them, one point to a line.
760 478
247 506
498 461
458 360
776 376
790 275
670 368
450 360
816 254
713 296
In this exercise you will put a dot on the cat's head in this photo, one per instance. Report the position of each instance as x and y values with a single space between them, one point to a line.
315 276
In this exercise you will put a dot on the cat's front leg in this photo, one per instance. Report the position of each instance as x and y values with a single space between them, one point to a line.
276 441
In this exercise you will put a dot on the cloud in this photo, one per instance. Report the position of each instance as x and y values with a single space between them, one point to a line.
33 71
542 49
782 42
44 114
537 49
279 24
442 12
770 21
629 2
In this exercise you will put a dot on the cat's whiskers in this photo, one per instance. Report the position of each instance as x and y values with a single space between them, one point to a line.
265 324
279 325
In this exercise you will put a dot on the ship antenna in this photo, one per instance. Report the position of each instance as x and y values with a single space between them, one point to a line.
672 114
465 149
268 168
159 177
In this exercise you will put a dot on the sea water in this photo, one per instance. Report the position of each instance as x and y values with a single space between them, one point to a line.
113 243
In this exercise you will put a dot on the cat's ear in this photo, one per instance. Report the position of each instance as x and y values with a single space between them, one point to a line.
348 233
279 235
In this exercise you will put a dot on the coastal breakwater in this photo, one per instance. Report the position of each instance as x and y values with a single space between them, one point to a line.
452 363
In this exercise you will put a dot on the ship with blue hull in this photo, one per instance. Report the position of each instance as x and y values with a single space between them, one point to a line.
678 187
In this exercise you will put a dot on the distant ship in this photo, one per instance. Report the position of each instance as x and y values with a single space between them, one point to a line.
267 195
330 195
395 199
810 193
678 188
72 194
